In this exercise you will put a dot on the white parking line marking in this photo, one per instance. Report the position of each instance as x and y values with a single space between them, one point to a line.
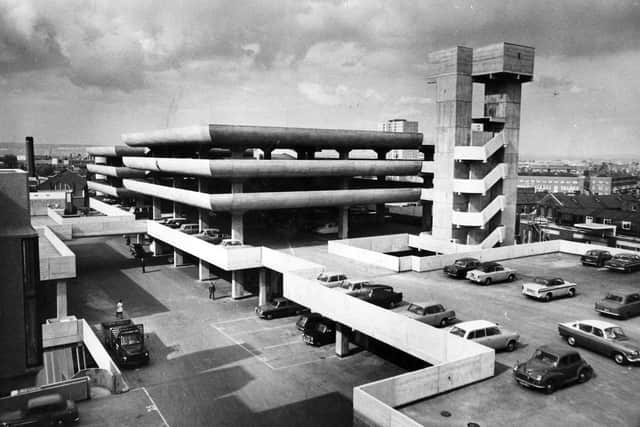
245 348
154 406
282 345
234 320
305 363
263 329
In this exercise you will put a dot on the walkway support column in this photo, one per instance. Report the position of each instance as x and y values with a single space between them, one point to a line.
263 289
204 221
342 340
178 256
61 298
382 155
237 284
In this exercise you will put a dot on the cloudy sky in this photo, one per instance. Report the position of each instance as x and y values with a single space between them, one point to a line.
82 71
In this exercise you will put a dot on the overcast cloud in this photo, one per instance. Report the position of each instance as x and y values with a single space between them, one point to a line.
84 72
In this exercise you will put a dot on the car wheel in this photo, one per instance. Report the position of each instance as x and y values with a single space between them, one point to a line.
443 322
269 316
571 341
584 375
487 281
549 387
548 297
572 292
392 304
511 345
619 358
511 277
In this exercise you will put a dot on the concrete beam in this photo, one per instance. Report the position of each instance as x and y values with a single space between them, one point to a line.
263 289
61 299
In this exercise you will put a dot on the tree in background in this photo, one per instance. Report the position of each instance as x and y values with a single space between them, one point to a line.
44 170
10 161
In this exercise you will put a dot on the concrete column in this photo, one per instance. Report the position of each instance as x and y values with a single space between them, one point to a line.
139 238
343 211
204 221
450 70
177 183
382 155
237 284
267 153
178 258
342 340
263 289
157 210
156 247
61 298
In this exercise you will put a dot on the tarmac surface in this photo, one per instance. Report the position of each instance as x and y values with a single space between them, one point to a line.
212 362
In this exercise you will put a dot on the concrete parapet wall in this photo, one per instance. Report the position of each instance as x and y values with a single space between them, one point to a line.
108 209
371 249
282 262
42 200
75 389
61 332
61 266
102 358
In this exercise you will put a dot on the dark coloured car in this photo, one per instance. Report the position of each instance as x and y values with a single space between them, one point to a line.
461 267
595 257
382 296
624 262
46 410
619 304
601 337
431 313
279 307
307 319
320 333
552 367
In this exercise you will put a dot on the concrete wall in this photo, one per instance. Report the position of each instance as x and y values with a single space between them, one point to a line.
41 200
371 249
64 332
114 222
74 389
60 266
102 358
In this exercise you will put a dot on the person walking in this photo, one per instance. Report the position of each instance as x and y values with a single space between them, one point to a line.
212 289
119 309
142 263
127 240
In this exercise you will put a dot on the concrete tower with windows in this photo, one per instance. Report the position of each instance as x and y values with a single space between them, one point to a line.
475 167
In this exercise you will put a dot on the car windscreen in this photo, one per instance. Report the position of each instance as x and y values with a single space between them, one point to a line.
129 339
613 297
615 333
415 309
546 357
460 263
458 331
541 281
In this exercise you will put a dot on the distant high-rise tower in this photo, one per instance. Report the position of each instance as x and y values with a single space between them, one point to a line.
402 125
476 159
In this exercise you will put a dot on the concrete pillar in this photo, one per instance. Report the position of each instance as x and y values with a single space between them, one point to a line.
382 155
237 284
157 210
139 238
342 340
204 221
177 183
343 211
204 270
178 257
450 70
61 298
267 153
263 289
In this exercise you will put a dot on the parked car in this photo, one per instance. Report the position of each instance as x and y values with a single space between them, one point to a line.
328 228
624 262
357 287
491 272
431 313
190 228
332 279
461 267
595 257
552 367
620 304
212 235
231 242
382 296
320 333
279 307
307 319
175 222
546 288
45 410
602 337
487 333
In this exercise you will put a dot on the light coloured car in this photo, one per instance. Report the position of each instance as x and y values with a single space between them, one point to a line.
491 272
547 288
431 313
354 287
190 228
212 235
231 243
487 333
331 279
328 228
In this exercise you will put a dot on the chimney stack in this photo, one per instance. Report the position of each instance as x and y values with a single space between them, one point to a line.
29 156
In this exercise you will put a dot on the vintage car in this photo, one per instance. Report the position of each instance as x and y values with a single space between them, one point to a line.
487 333
461 267
331 279
546 288
491 272
174 222
602 337
212 235
431 313
280 307
357 287
228 243
382 296
620 304
552 367
45 410
320 333
307 319
624 262
595 257
328 228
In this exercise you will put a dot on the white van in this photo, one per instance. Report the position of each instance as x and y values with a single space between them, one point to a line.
190 228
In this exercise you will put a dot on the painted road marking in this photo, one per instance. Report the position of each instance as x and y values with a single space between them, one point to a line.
263 329
243 346
305 363
234 320
298 341
153 406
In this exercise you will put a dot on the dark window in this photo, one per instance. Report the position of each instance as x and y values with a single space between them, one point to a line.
598 332
634 297
493 331
564 361
585 328
31 278
480 333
